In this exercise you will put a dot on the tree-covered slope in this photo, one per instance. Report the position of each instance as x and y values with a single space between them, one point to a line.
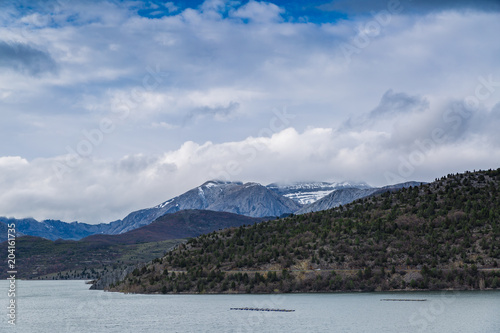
437 236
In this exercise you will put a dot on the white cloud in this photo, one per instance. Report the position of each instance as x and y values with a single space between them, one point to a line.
259 12
12 162
171 7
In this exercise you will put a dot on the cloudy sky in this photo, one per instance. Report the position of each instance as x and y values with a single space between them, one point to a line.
111 106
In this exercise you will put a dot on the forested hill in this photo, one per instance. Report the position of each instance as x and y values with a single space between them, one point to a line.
441 235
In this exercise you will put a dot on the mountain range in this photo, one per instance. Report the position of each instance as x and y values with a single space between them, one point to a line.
248 199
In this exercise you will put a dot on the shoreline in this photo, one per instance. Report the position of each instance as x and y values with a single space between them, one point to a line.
398 291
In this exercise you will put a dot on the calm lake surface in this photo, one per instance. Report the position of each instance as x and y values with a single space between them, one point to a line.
68 306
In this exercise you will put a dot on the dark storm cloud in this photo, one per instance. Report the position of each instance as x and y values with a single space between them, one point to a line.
25 59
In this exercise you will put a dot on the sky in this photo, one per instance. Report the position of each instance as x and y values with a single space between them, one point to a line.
112 106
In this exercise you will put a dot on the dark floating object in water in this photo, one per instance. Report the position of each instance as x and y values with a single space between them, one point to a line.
260 309
403 300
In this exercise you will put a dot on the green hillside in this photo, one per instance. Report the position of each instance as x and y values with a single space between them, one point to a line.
443 235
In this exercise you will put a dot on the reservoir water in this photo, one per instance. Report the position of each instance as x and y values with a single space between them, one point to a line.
68 306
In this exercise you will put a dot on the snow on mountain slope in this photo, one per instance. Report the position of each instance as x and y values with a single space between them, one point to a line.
344 196
250 199
308 192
